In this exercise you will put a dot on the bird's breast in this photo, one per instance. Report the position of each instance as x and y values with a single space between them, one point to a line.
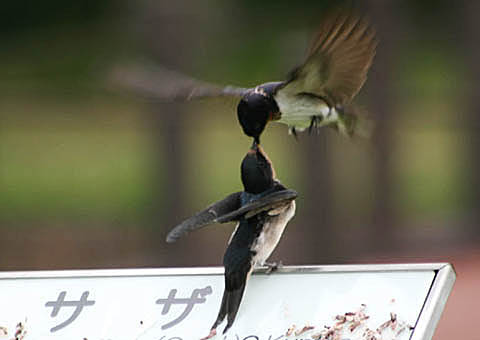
271 233
298 110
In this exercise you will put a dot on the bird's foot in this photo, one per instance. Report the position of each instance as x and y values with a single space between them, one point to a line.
314 124
293 132
210 335
272 266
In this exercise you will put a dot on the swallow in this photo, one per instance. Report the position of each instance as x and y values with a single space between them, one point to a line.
316 93
261 212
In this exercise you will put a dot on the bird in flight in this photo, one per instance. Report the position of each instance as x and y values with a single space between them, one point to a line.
261 211
317 93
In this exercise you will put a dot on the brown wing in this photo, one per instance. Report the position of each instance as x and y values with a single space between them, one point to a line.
167 85
338 60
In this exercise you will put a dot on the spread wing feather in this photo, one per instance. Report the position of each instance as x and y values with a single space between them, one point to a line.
230 209
265 203
338 60
167 85
206 217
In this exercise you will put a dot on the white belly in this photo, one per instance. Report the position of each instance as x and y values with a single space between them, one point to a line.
272 232
299 112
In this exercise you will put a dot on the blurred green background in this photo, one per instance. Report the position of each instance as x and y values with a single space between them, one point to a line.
92 176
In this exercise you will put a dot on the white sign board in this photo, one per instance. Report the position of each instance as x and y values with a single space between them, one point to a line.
181 304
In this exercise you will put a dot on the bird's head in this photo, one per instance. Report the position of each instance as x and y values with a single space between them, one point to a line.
257 171
256 108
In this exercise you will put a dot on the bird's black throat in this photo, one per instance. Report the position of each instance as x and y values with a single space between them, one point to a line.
257 172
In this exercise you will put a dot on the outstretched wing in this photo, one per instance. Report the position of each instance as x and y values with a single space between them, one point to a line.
167 85
338 60
206 217
265 203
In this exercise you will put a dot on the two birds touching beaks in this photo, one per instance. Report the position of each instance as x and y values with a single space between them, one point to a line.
317 93
261 211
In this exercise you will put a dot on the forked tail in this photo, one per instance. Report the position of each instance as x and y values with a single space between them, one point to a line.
230 303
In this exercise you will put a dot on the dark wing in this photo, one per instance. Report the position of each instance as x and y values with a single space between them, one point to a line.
337 62
265 203
206 217
167 85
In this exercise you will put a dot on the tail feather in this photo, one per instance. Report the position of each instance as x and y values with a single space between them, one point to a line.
223 310
352 123
233 303
229 307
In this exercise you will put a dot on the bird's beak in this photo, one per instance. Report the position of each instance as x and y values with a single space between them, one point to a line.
255 145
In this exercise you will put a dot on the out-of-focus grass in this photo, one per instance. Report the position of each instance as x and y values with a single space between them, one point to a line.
82 161
96 161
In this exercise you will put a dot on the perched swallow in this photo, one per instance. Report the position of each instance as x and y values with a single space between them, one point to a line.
261 211
317 93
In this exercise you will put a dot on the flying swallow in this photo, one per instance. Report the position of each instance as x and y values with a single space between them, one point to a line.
317 93
261 211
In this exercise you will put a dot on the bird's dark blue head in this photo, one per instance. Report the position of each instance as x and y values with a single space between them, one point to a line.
256 109
258 174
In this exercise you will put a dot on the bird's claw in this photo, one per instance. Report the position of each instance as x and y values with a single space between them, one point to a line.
314 124
272 266
293 131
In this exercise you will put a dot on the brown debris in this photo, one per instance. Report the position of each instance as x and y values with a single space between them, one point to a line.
3 332
371 335
304 329
352 321
20 331
290 331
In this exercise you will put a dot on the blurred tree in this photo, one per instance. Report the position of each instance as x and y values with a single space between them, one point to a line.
162 27
386 21
25 16
471 31
316 214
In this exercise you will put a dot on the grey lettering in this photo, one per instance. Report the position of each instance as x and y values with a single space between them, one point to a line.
83 302
197 297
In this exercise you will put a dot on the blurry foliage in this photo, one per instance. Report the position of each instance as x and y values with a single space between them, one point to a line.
70 149
22 16
58 162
